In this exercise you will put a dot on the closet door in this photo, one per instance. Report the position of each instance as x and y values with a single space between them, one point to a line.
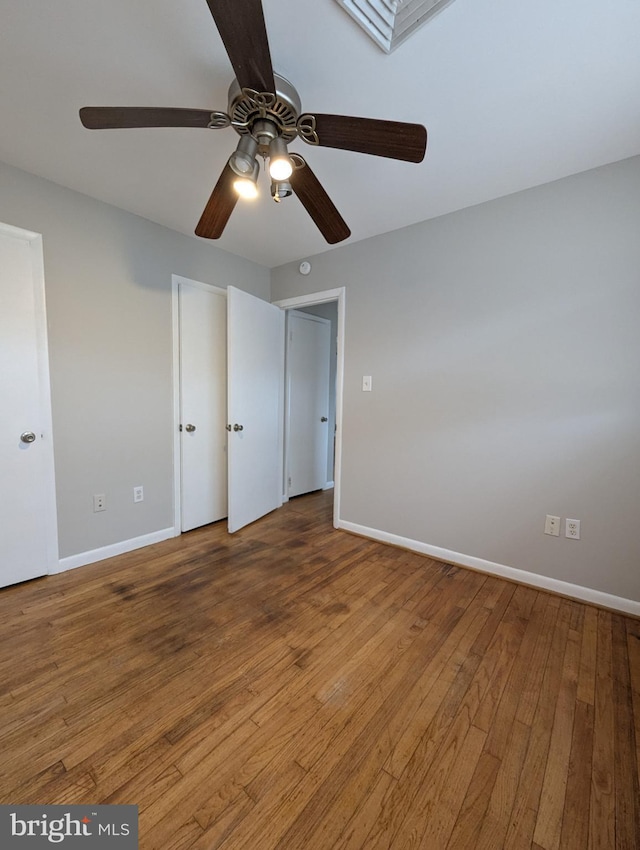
203 405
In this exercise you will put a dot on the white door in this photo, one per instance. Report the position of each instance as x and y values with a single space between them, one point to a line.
203 405
28 537
255 383
307 435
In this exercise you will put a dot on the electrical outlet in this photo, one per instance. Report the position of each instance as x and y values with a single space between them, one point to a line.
99 502
138 494
572 529
552 525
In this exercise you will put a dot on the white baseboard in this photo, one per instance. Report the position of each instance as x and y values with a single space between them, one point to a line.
84 558
564 588
328 486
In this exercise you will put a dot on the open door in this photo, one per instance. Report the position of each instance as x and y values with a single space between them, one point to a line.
255 388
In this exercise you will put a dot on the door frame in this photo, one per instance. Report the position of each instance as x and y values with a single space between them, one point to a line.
287 401
339 295
176 280
50 520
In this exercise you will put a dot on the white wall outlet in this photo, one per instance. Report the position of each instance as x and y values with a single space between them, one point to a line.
552 525
99 502
366 383
138 494
572 529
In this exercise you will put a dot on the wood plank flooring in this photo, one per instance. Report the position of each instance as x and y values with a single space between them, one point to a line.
299 688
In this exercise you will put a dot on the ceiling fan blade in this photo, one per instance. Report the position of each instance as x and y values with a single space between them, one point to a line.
120 117
318 204
244 34
393 139
219 206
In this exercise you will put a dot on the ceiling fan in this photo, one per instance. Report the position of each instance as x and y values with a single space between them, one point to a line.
265 110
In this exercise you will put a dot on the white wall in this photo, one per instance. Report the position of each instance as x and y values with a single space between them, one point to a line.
108 289
504 346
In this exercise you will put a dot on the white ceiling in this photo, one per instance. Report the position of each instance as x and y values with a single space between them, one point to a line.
512 95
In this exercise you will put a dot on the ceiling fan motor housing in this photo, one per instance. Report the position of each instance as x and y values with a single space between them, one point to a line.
248 110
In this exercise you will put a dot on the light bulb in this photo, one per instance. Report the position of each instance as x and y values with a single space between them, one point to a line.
280 169
241 164
246 188
280 166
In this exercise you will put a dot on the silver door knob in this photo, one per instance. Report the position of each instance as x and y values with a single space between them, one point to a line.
237 427
27 437
324 419
228 427
190 428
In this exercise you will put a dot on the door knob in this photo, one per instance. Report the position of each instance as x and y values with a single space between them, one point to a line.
237 427
228 427
324 419
190 428
27 437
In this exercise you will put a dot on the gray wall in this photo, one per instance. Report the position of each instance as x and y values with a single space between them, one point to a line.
504 346
108 289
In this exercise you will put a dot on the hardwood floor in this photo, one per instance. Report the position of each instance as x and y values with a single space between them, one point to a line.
296 687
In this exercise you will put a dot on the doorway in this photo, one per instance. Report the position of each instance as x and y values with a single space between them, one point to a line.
309 424
316 299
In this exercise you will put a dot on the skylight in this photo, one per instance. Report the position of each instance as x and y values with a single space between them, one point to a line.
390 22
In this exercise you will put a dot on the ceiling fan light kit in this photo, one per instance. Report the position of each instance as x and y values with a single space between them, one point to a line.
247 187
243 159
280 189
280 166
266 111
